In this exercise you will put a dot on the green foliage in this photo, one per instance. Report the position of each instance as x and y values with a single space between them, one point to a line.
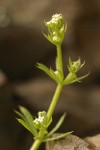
74 67
57 76
58 137
39 126
59 123
26 120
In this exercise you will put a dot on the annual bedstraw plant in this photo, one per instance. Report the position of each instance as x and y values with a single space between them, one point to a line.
38 126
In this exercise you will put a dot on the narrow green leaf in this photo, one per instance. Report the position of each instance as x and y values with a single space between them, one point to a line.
74 79
81 78
70 62
53 75
82 65
59 123
26 113
25 125
48 37
57 137
19 114
27 118
48 71
44 68
71 78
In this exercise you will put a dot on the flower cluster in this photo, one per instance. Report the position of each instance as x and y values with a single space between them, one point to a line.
38 126
41 124
56 29
41 121
74 67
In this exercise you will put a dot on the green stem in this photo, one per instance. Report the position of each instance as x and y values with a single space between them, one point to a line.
59 67
59 63
54 101
51 109
35 145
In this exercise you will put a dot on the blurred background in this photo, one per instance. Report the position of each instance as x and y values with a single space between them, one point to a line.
22 45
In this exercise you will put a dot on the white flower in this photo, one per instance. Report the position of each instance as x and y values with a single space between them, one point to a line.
56 29
55 38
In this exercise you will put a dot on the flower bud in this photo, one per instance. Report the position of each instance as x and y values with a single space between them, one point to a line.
42 121
56 29
56 22
75 66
